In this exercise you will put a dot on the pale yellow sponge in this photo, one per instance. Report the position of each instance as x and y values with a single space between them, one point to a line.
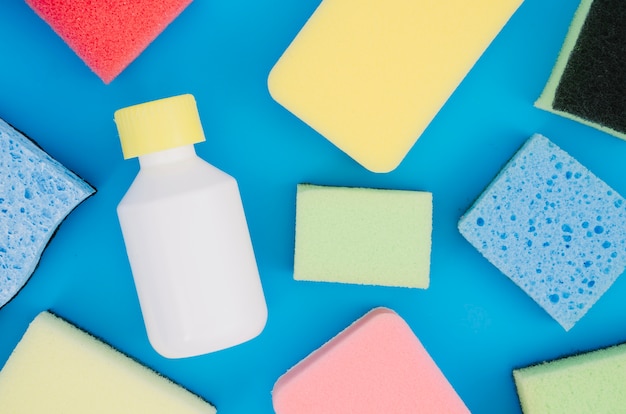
57 368
363 236
371 75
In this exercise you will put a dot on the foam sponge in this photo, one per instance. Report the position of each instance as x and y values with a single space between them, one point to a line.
363 235
108 34
36 194
370 76
593 382
57 368
376 365
552 227
588 82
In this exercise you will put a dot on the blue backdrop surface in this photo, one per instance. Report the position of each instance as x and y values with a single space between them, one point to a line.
475 323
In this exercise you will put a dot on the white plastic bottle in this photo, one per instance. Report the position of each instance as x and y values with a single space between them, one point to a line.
186 235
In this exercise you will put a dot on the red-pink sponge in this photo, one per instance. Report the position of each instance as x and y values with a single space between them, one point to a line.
376 365
108 34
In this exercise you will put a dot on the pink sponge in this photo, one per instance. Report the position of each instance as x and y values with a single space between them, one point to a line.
108 34
377 365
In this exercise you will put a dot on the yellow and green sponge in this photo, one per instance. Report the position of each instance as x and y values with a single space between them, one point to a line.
593 382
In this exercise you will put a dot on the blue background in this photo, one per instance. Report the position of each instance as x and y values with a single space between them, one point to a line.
475 323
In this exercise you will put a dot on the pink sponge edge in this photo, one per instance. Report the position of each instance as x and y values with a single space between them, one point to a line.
375 365
108 34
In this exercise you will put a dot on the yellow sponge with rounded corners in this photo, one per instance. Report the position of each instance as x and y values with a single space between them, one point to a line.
371 75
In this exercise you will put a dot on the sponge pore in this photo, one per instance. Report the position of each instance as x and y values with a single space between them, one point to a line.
588 82
108 34
59 369
593 382
376 365
552 227
36 194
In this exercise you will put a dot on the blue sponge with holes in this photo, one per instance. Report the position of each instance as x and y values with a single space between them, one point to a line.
36 194
552 227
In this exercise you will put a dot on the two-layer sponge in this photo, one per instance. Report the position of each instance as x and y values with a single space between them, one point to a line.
59 369
552 227
36 194
593 382
588 82
376 365
108 34
370 76
363 236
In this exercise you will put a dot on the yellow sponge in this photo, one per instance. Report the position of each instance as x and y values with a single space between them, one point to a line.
57 368
371 75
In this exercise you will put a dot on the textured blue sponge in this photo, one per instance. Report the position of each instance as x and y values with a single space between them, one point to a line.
552 227
36 194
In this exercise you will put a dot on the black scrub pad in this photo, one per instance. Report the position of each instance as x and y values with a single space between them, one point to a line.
588 82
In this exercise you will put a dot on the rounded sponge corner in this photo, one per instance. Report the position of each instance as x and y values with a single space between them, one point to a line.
376 364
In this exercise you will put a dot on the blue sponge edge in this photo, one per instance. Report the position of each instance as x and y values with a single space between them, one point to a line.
36 194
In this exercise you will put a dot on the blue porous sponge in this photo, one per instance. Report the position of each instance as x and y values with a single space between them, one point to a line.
36 194
552 227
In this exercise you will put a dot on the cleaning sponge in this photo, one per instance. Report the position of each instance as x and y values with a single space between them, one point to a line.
363 235
57 368
370 76
36 194
594 382
588 82
552 227
108 34
376 365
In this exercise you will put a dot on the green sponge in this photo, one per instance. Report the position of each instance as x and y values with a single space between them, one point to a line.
363 236
594 382
588 82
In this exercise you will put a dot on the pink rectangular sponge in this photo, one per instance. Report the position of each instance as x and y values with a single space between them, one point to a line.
108 34
376 365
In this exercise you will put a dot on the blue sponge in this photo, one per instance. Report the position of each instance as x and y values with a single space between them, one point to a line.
36 194
552 227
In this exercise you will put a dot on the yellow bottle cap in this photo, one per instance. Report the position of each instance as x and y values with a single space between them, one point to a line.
159 125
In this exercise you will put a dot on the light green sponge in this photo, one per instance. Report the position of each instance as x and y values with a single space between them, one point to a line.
594 382
363 236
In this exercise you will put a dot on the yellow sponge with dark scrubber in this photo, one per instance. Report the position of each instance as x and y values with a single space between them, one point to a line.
59 369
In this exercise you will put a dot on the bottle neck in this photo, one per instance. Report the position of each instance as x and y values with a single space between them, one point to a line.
167 156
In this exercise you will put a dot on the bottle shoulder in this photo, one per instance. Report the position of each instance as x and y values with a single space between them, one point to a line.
176 179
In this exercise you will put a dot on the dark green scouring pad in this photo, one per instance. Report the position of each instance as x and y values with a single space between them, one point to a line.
588 82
